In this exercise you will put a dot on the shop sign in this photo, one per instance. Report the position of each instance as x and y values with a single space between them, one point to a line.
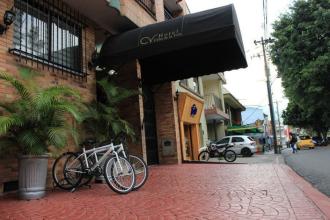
193 110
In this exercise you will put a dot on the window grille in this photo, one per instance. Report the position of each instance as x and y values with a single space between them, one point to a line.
168 14
51 34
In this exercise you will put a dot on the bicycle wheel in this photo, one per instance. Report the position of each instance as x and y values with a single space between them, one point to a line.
230 155
204 156
73 170
140 170
119 174
58 171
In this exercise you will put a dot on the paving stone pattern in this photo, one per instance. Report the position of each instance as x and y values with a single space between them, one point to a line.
188 191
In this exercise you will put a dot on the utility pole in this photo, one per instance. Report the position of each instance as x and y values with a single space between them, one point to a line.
279 122
269 90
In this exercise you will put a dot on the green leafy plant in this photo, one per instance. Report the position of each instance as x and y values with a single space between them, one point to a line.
38 118
102 120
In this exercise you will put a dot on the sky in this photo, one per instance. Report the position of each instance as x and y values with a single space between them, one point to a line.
249 85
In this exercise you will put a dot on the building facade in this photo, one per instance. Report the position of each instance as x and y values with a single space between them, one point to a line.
59 39
233 108
215 114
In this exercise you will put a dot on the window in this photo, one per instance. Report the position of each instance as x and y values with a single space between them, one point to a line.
223 141
237 139
191 84
48 34
184 82
195 85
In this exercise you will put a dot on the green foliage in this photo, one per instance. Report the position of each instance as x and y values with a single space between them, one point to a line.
102 120
38 118
294 115
301 54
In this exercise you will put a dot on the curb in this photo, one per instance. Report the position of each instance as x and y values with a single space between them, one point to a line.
208 162
318 198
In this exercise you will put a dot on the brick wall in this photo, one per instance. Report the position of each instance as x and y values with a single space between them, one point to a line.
131 109
167 121
133 11
10 64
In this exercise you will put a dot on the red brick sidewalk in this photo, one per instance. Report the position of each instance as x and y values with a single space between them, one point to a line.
189 191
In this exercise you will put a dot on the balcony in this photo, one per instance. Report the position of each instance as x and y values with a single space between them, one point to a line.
214 109
149 6
106 14
168 15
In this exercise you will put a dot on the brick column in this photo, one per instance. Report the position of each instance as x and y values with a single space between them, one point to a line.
167 122
131 109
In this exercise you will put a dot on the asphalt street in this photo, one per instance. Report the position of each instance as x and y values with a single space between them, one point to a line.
313 165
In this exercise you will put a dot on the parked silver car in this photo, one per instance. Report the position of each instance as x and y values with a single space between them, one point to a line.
242 144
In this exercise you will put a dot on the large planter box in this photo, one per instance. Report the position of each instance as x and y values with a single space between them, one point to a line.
32 176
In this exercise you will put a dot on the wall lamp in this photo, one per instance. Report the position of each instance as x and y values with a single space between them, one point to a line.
176 97
8 19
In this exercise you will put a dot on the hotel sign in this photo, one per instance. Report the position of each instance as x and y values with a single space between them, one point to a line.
159 37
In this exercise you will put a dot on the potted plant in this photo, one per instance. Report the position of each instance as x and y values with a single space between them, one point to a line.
36 120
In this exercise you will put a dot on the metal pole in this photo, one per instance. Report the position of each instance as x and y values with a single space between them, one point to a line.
279 122
269 90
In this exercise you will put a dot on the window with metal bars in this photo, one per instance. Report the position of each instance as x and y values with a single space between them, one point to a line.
50 34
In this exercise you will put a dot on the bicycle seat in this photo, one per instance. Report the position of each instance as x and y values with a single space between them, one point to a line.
88 142
221 146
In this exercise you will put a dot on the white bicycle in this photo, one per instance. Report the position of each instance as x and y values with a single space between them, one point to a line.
71 170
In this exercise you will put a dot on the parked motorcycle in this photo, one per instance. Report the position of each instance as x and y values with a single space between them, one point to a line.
212 150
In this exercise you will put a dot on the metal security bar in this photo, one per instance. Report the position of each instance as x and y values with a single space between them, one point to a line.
149 6
168 14
51 34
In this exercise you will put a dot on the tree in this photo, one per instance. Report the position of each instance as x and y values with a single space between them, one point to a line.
301 54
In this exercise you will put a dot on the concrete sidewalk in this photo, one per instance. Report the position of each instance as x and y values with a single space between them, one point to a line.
188 191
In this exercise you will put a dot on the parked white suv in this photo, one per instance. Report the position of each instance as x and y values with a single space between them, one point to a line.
242 144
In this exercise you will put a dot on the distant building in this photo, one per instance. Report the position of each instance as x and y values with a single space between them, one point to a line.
251 115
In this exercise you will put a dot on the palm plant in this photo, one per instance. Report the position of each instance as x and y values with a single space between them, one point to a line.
38 118
102 120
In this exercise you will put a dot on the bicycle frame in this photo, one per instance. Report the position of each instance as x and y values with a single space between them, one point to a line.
108 149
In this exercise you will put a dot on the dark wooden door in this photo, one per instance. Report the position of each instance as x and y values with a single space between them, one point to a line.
150 125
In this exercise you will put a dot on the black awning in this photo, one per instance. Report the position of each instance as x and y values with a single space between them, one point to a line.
192 45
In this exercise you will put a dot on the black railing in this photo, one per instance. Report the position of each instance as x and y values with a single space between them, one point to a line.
50 34
212 101
168 14
149 6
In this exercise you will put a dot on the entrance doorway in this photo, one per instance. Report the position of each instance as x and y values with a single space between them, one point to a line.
187 148
150 125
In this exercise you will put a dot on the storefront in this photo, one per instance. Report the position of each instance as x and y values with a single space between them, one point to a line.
188 46
190 110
